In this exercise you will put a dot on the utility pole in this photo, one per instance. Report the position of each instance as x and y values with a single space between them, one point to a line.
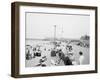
55 33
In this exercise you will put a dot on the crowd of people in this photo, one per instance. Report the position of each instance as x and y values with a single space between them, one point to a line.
63 52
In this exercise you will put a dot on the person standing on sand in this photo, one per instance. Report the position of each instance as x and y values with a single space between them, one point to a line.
81 58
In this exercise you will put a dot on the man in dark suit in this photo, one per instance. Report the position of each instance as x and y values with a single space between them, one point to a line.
67 60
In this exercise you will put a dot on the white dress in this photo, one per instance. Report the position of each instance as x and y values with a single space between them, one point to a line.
81 59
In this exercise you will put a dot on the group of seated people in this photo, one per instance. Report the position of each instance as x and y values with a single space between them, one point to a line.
67 57
32 53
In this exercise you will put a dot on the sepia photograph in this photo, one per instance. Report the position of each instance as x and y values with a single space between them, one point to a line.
56 39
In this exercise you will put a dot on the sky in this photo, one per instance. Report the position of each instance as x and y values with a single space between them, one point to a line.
41 25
